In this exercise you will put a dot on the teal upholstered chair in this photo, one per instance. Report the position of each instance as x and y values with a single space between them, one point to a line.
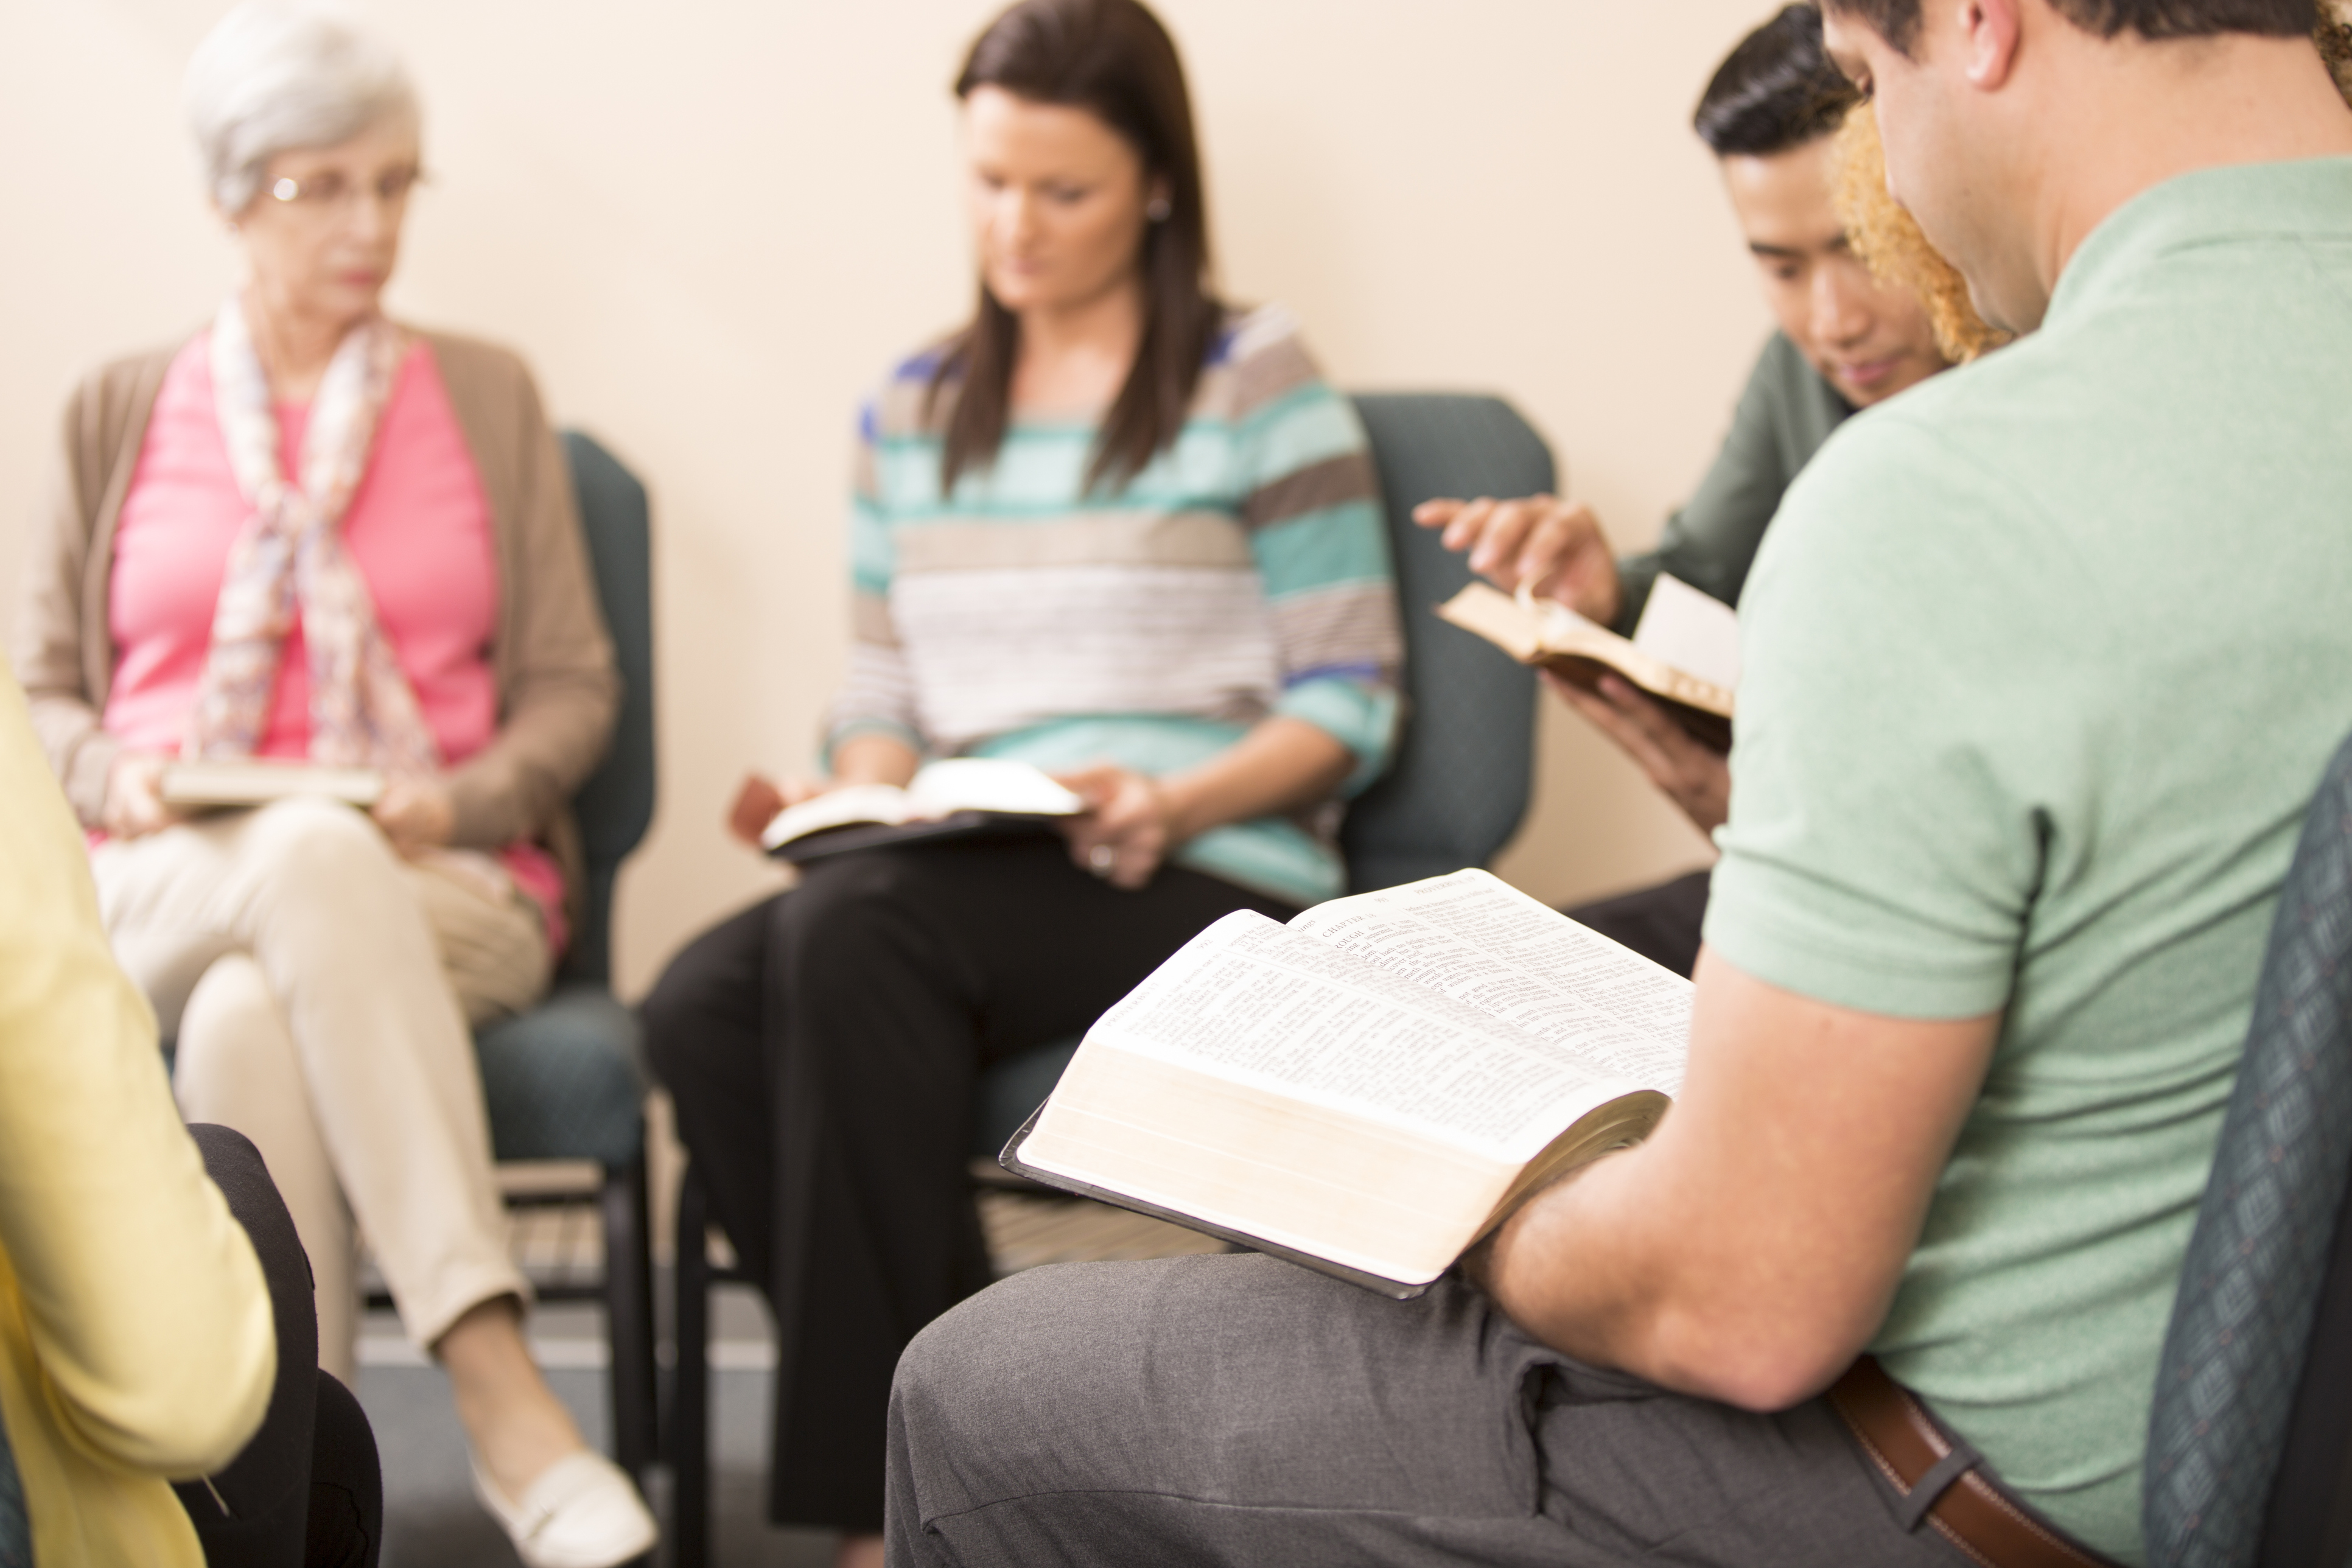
1454 793
2249 1438
563 1081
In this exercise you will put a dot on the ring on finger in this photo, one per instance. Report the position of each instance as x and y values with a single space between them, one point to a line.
1102 859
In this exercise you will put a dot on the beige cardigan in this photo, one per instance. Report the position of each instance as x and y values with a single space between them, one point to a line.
552 658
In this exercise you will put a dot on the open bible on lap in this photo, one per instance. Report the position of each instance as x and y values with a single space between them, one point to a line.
225 782
1371 1088
962 797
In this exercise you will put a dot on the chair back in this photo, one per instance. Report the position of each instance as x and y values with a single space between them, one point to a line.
16 1524
616 804
2250 1440
1458 785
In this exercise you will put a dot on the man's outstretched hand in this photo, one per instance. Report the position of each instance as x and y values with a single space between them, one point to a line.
1556 549
1550 546
1694 776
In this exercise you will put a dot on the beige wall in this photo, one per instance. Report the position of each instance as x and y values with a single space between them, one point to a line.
711 223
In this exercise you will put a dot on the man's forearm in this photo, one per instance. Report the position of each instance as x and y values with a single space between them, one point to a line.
1749 1250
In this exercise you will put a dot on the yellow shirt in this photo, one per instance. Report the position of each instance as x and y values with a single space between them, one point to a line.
136 1342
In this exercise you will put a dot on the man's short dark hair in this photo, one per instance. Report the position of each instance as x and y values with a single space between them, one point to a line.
1897 21
1776 90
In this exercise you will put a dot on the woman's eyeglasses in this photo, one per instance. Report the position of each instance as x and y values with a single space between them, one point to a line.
329 195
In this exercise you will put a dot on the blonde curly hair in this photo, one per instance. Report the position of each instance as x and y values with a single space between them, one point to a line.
2334 40
1889 241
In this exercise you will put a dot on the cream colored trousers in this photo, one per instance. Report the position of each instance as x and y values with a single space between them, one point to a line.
321 988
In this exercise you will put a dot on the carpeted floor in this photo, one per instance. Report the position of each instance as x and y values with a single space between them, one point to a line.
430 1519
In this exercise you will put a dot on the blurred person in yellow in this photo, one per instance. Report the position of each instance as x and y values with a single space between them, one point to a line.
136 1340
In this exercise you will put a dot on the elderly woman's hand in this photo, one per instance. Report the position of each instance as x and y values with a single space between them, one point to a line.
417 814
134 796
1128 828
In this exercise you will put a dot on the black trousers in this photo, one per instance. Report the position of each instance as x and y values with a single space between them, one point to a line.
1660 923
822 1049
307 1491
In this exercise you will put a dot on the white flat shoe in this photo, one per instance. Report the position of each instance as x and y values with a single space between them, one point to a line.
581 1513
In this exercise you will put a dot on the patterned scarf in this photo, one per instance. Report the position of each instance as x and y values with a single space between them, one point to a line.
290 558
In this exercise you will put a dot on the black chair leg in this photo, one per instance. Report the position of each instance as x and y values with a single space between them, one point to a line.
689 1410
629 1317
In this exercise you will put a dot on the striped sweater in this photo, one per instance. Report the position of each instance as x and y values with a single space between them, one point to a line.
1243 573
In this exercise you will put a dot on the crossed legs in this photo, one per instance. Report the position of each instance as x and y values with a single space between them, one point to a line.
822 1049
301 965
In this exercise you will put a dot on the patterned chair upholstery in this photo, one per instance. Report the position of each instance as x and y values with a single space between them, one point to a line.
15 1528
2250 1441
1453 794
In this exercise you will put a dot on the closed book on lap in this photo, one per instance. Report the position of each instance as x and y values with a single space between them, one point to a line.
253 781
964 798
1684 653
1371 1089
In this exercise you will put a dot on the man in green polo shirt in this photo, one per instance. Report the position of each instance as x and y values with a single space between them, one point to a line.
1844 342
2041 666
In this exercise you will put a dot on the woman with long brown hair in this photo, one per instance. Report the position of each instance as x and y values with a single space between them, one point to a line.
1112 528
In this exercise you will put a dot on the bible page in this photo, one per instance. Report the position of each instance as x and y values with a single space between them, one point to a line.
845 807
1483 944
1271 1008
1690 630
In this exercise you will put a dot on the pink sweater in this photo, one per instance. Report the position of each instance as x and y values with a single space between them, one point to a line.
418 529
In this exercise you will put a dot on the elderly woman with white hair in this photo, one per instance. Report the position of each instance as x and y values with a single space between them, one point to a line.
314 534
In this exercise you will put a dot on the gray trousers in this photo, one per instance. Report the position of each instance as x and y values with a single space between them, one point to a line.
1241 1410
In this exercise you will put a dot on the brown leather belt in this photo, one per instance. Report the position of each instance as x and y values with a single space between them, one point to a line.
1907 1446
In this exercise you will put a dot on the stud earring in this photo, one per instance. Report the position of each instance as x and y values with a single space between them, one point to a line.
1158 210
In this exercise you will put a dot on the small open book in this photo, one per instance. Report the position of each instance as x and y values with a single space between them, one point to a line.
960 798
253 781
1371 1088
1684 651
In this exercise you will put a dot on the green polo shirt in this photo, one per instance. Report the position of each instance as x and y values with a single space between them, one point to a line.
2042 662
1784 415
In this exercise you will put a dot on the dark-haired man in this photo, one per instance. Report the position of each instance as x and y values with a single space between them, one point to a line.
2042 666
1844 343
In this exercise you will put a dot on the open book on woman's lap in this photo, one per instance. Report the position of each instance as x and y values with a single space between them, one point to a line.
962 797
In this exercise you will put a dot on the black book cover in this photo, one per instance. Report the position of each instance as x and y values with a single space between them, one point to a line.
856 836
